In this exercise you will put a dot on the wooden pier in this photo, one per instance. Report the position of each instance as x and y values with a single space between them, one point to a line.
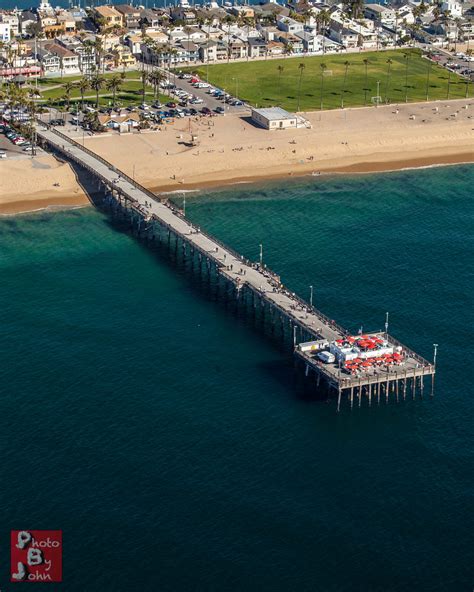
244 280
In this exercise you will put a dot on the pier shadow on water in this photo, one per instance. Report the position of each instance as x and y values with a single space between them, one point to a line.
212 287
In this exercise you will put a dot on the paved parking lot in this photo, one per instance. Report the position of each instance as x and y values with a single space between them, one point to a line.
461 64
208 100
10 148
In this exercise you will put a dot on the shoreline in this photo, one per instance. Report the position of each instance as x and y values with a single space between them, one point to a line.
352 169
65 202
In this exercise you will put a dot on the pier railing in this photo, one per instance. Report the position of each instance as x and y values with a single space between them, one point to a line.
412 354
149 193
297 299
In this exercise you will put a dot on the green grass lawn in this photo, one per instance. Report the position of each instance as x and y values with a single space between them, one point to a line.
261 84
58 80
129 94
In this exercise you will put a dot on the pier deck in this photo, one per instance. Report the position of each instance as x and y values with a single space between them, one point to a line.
233 266
242 273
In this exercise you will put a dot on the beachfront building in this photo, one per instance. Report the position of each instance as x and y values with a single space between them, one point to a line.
381 15
122 123
273 118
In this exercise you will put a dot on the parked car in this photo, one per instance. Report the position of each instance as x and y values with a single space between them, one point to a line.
206 111
171 105
220 110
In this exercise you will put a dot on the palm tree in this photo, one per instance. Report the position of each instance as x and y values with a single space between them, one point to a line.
323 68
428 71
346 68
228 20
387 83
83 85
154 78
68 88
280 69
249 22
301 68
406 57
97 82
449 78
208 23
99 52
397 16
188 31
366 64
144 78
114 84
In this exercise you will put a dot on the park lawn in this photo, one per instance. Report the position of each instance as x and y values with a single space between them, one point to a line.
262 84
58 92
123 99
129 94
129 74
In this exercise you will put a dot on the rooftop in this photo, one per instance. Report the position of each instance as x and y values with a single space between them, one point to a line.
274 113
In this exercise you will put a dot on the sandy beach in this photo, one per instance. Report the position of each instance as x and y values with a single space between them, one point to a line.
231 149
29 184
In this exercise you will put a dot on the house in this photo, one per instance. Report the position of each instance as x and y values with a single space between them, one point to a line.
273 118
85 51
243 11
311 43
122 123
158 36
50 62
11 19
289 25
292 42
189 33
275 48
348 38
257 48
382 15
134 42
237 48
67 23
453 8
131 17
5 33
47 20
183 14
208 51
191 51
150 18
467 30
213 51
405 15
69 60
109 16
26 18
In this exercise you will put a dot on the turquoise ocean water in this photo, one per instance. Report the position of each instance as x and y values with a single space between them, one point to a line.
166 437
